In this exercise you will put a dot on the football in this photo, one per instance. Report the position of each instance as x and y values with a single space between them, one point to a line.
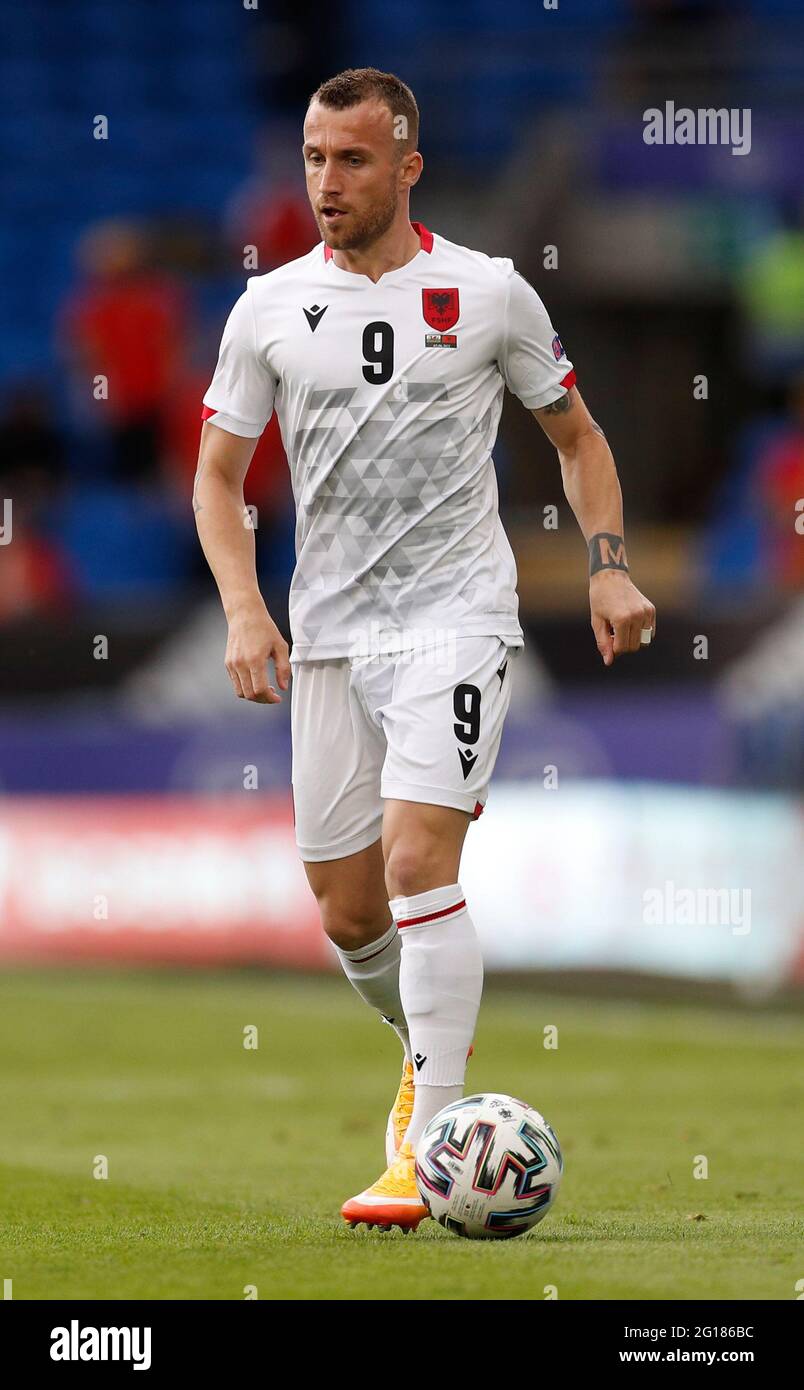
488 1167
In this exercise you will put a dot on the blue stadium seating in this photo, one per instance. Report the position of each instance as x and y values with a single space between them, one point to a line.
102 529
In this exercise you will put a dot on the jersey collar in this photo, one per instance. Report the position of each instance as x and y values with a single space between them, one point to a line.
426 246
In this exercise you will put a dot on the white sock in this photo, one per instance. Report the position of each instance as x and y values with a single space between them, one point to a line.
440 985
427 1102
374 972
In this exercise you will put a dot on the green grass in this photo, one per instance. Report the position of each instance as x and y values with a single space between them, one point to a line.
227 1167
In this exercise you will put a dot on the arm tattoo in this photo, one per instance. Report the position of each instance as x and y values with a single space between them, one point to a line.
196 503
597 429
562 405
606 552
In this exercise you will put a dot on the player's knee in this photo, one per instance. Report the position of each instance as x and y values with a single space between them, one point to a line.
412 868
354 924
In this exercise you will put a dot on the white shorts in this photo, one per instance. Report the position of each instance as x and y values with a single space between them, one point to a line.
416 726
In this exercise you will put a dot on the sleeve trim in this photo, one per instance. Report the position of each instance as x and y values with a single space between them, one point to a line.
208 410
233 424
551 394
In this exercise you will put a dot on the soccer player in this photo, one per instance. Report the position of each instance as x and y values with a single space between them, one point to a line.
385 352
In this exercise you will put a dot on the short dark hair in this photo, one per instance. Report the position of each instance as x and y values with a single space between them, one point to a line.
354 85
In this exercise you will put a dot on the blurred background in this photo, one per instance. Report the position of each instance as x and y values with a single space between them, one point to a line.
146 813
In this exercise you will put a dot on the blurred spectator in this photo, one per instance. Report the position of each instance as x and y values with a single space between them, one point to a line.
772 292
127 323
271 210
36 577
35 574
267 484
779 486
31 448
663 41
753 542
297 44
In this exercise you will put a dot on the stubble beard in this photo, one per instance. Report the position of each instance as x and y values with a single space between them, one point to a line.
363 231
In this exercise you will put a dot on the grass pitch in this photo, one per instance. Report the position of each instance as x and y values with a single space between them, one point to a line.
227 1166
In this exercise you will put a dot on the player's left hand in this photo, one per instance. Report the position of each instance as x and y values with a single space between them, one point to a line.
620 614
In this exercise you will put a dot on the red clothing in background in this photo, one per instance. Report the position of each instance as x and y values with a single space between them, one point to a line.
35 577
129 330
268 480
781 484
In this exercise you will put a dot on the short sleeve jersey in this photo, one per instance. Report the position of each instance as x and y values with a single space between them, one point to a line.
389 396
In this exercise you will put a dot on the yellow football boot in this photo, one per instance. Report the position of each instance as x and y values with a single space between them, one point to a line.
399 1117
393 1200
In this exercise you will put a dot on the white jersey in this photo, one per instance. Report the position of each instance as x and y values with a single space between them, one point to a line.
389 397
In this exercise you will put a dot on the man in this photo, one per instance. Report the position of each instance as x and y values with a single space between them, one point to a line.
384 352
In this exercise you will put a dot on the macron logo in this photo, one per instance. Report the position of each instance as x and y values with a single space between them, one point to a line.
468 759
76 1343
314 315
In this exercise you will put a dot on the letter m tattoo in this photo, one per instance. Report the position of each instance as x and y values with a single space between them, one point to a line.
606 552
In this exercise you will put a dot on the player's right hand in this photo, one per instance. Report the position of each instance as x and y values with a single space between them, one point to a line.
254 640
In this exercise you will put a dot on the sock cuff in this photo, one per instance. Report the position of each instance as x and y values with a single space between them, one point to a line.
373 948
436 905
